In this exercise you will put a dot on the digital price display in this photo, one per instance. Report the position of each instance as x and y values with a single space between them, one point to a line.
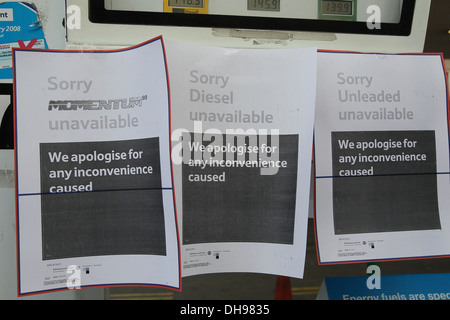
323 16
344 10
186 6
337 7
263 5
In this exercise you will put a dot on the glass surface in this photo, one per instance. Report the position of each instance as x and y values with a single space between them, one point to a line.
186 3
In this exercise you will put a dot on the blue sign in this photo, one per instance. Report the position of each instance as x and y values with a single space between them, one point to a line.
19 28
392 287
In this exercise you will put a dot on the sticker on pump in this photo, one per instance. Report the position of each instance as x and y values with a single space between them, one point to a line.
6 50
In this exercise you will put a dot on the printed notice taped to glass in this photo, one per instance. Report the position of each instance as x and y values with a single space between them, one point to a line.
242 150
381 157
94 179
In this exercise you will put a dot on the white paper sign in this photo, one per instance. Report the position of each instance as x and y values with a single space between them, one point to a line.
381 157
94 184
242 141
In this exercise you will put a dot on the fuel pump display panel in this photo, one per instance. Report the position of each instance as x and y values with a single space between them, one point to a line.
333 16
